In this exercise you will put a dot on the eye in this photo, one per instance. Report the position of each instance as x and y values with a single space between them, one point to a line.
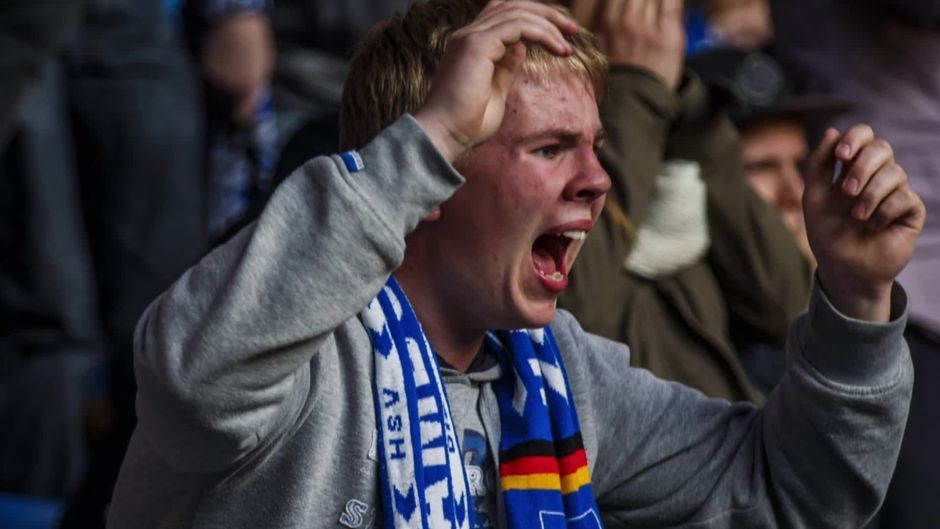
547 152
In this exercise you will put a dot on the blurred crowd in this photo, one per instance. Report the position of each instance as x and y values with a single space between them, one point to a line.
136 135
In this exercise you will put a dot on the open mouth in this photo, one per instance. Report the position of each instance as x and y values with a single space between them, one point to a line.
550 257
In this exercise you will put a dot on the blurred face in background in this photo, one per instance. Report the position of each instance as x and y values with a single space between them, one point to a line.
774 153
745 24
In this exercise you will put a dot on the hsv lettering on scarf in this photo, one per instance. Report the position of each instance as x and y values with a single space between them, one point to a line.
543 468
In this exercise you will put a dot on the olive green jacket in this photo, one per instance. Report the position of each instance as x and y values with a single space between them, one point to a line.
750 281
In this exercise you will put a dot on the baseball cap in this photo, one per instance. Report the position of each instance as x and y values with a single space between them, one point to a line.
762 87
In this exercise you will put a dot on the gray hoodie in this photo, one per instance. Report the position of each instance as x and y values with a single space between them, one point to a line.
255 402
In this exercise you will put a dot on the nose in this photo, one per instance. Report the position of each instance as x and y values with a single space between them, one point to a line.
791 187
590 181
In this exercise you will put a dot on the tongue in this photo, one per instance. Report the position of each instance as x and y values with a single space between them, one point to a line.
546 254
544 260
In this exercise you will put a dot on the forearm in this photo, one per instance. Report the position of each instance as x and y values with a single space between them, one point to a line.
637 113
224 353
819 453
840 414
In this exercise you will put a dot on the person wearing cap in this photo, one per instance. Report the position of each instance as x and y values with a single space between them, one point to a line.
774 121
688 260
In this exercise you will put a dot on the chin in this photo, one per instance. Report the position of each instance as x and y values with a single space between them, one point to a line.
537 316
530 306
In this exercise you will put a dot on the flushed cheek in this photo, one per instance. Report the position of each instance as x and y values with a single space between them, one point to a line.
502 261
523 203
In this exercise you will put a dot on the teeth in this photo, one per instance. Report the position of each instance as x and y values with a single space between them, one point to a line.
576 235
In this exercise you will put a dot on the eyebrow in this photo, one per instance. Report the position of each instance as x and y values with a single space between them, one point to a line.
562 135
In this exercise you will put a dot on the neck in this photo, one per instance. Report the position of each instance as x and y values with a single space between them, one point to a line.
452 338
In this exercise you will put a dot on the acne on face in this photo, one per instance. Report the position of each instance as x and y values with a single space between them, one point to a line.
537 175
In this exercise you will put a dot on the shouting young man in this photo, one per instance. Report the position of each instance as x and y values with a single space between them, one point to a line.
349 360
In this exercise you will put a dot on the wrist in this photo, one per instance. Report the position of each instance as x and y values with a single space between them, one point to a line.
857 299
651 74
632 90
449 144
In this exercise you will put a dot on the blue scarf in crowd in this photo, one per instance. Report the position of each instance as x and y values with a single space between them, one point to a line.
543 468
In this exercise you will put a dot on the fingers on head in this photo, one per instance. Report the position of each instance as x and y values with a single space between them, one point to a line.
507 9
536 30
671 9
640 13
633 9
586 12
612 15
510 25
620 15
651 11
514 57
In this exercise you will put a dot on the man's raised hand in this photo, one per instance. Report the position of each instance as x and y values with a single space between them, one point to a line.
467 98
646 34
863 224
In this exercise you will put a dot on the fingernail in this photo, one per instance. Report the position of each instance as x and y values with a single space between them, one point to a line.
844 150
859 211
850 186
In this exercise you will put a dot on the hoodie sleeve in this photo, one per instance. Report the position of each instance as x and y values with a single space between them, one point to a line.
222 358
819 453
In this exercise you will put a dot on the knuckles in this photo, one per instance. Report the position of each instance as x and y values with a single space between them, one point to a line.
883 145
859 133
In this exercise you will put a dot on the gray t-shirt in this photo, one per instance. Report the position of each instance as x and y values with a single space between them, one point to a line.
475 412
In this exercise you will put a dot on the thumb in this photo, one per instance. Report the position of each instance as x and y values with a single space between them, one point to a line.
822 163
507 67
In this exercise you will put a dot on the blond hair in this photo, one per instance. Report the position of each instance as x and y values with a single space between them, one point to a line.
392 68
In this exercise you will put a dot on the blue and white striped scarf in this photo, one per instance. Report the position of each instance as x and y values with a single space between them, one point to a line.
543 468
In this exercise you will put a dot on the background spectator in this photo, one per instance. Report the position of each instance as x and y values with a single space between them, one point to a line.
102 205
685 256
269 114
776 123
30 32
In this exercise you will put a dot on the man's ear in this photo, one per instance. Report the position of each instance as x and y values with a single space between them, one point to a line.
434 215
